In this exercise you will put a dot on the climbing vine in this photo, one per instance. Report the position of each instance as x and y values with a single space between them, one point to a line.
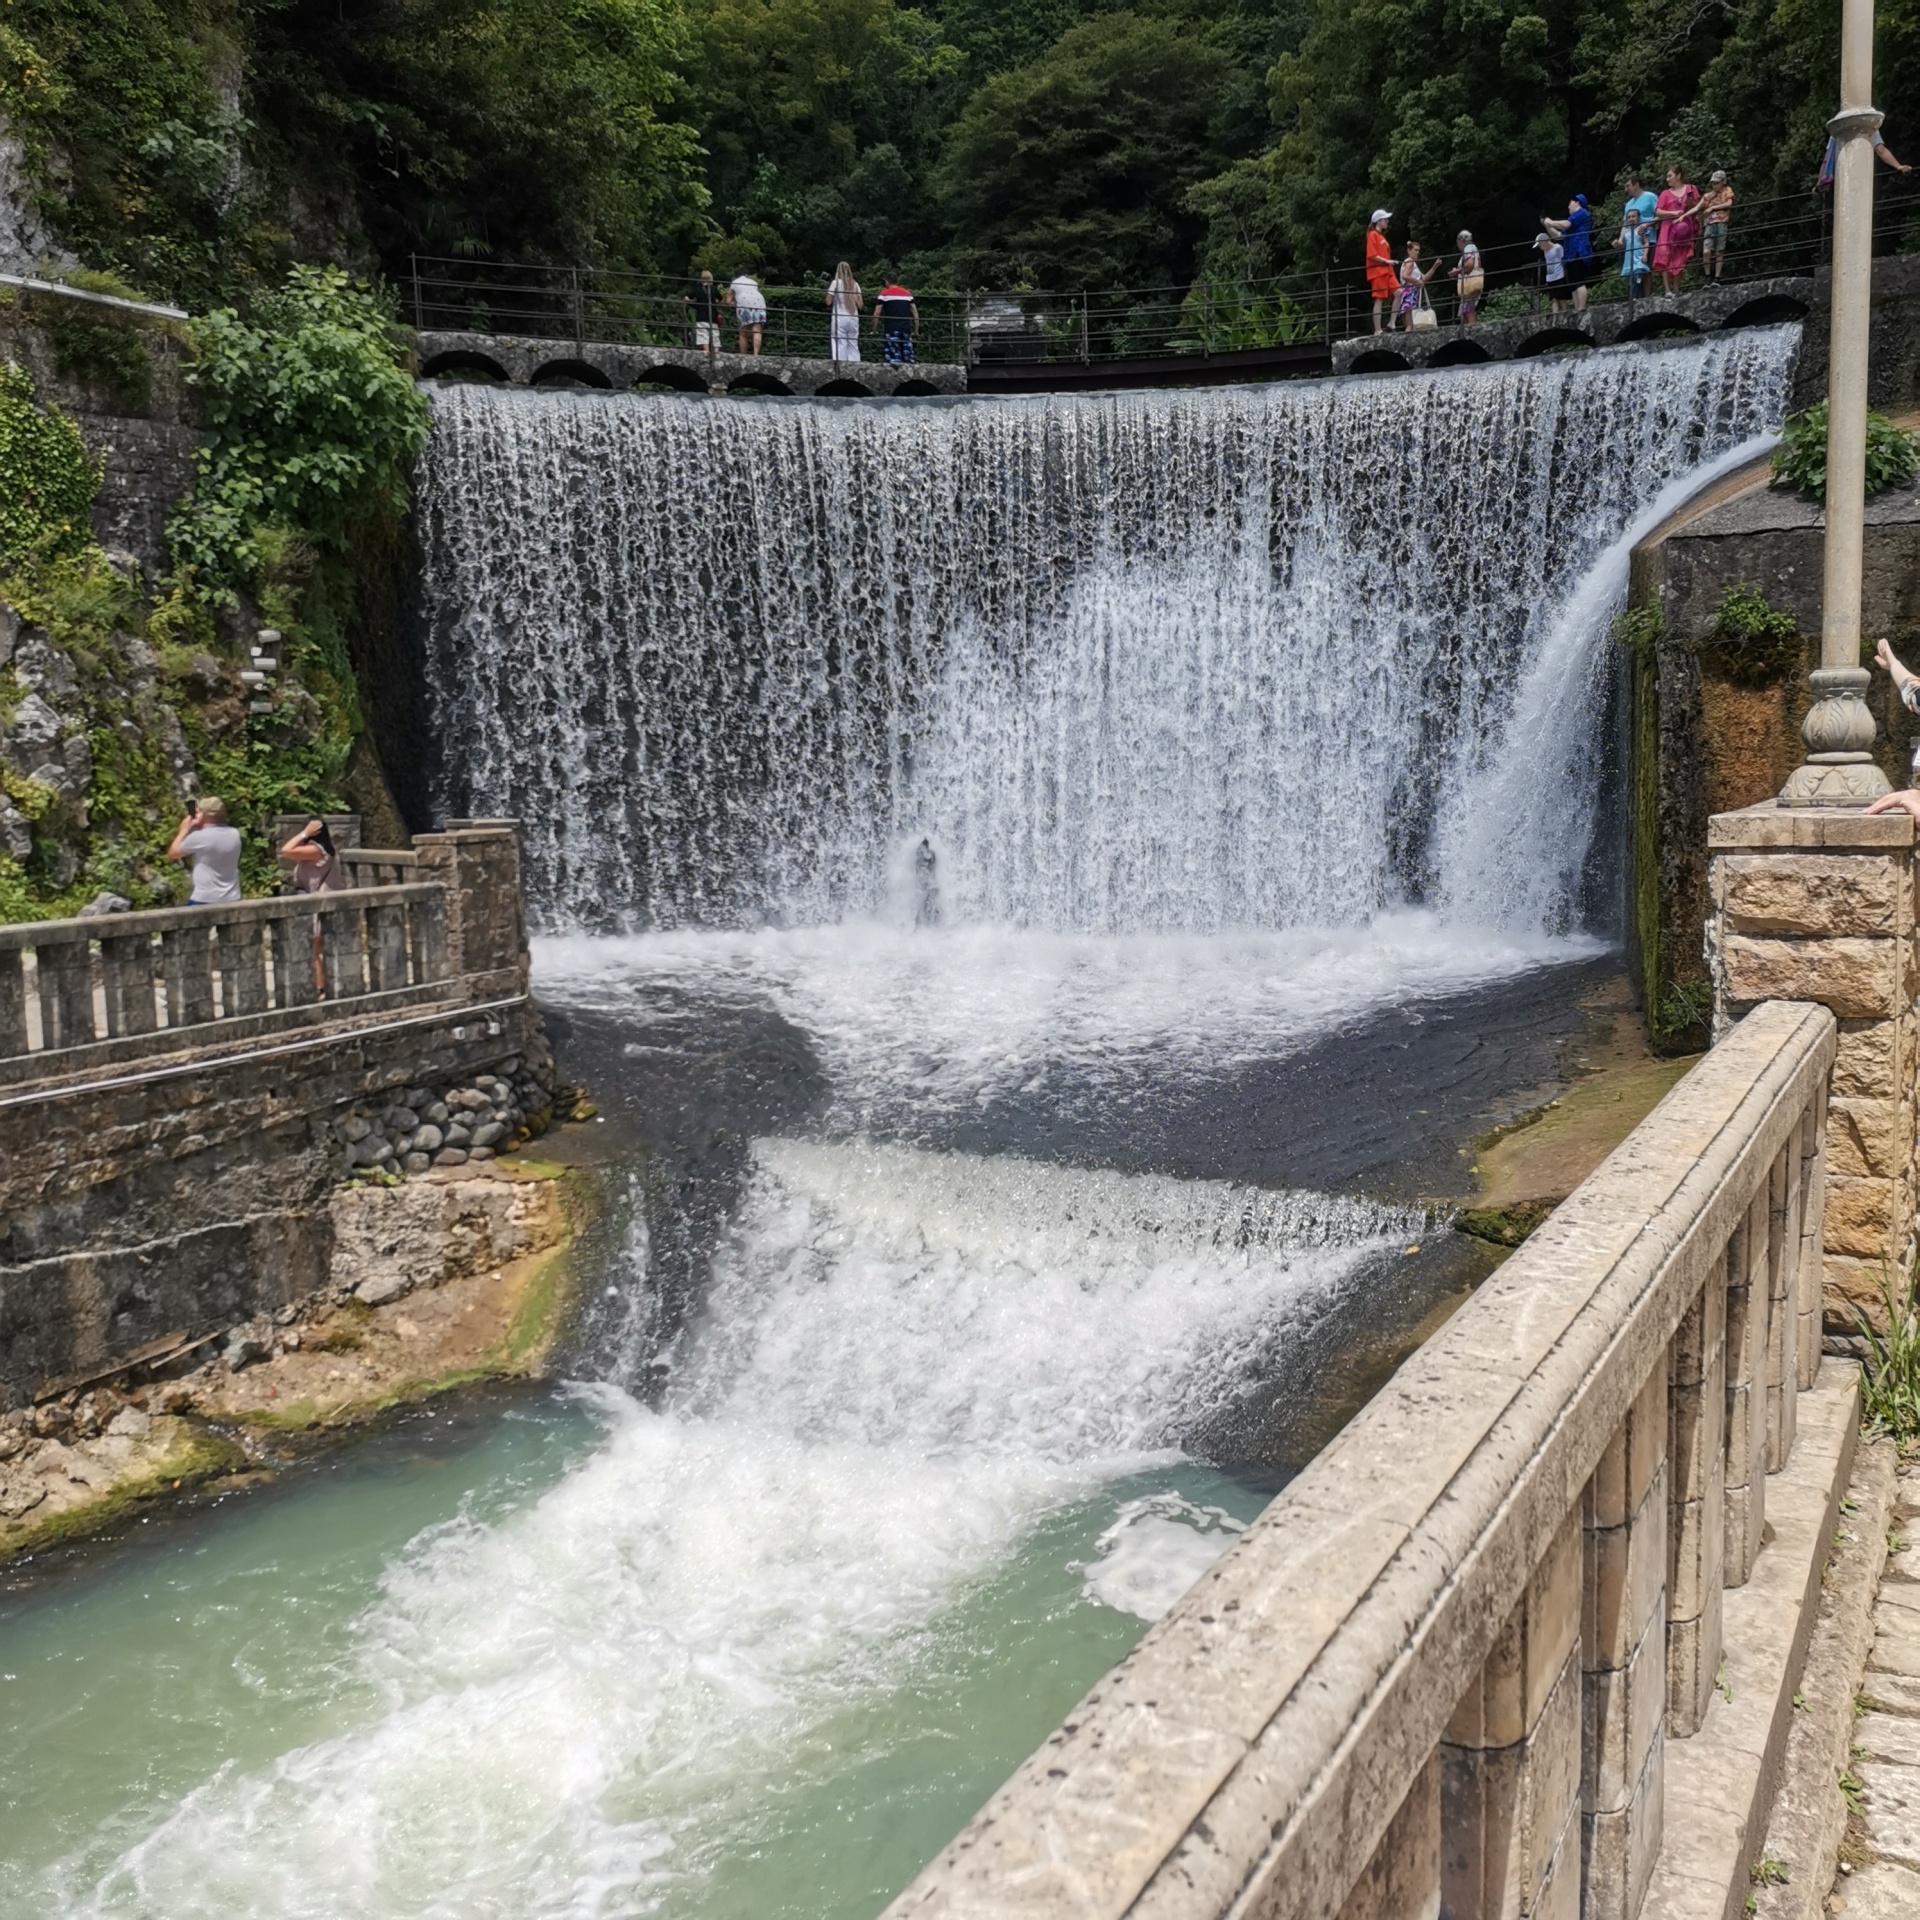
48 479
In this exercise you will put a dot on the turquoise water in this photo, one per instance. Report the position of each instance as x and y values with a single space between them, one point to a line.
144 1679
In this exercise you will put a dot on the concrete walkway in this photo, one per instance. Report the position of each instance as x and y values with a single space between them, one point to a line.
1882 1849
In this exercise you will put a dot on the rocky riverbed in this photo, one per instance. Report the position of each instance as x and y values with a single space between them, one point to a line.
453 1276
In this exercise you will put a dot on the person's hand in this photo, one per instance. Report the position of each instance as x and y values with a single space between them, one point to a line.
1905 801
310 829
1883 657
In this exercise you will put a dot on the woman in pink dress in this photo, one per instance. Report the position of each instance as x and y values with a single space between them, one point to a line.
1679 229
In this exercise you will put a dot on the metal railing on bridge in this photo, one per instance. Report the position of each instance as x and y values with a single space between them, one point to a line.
1029 327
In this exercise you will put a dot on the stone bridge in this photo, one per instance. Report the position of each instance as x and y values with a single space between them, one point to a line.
1747 303
525 362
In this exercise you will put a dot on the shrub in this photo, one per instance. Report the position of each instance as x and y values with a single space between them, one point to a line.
1752 644
313 418
47 477
1800 460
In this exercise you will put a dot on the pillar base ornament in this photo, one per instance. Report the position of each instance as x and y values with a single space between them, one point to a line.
1838 730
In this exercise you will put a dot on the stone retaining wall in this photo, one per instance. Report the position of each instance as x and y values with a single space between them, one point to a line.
183 1183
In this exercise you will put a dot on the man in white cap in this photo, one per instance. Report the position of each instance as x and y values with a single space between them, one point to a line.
1383 278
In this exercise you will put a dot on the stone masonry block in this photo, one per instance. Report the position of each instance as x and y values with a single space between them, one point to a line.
1851 1287
1402 1880
1857 978
1865 1139
1507 1812
1626 1573
1694 1650
1623 1709
1508 1698
1871 1057
1811 893
1632 1457
1620 1848
1700 1338
1746 1519
1861 1219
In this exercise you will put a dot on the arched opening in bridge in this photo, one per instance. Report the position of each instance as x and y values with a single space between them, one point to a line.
462 364
1659 326
1767 311
1553 340
1460 353
915 387
758 383
844 390
672 378
569 373
1380 360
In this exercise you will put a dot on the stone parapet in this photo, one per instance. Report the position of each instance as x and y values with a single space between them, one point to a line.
1820 905
1505 1580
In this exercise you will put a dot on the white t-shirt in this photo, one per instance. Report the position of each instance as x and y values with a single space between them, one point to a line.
215 852
746 292
846 300
1556 259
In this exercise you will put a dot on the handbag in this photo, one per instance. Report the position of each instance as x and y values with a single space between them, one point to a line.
1472 285
1423 316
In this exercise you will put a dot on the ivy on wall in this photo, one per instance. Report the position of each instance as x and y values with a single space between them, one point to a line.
48 479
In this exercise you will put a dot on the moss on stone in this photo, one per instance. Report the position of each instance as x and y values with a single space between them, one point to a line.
1503 1226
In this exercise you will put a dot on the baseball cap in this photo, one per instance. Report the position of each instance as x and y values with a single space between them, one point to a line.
1379 214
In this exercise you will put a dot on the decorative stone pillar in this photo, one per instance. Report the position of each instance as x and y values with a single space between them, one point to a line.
1510 1764
1819 905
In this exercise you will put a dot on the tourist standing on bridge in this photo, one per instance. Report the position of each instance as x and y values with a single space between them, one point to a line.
705 301
1632 249
1576 246
897 320
1677 213
1383 280
749 306
1469 276
214 848
1550 250
1716 213
845 302
1642 202
1413 287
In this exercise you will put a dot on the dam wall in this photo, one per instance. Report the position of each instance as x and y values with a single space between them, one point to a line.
181 1091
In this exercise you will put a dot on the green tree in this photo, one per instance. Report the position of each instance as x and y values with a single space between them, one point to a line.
1077 169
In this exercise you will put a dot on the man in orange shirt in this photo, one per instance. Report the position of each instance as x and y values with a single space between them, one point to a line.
1383 278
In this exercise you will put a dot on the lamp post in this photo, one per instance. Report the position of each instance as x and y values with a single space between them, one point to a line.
1839 770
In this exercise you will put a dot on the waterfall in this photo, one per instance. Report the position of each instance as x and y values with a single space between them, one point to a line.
1098 663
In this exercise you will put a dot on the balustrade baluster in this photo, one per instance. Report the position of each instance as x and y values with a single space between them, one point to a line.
1746 1471
13 1004
343 933
126 966
187 956
1813 1226
294 984
1783 1306
387 946
243 968
1696 1514
430 937
66 992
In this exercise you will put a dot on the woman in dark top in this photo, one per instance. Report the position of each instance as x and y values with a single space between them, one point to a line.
1576 245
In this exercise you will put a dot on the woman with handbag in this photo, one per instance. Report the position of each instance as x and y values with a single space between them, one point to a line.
1469 277
1413 289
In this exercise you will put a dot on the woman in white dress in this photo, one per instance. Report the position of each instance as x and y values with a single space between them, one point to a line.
843 305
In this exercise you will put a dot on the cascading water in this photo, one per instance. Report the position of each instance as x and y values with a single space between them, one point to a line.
1128 662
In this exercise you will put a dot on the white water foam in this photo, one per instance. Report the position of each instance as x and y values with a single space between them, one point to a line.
1125 662
1157 1547
916 1024
909 1361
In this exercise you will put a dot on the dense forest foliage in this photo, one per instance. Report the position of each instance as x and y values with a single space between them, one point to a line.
197 146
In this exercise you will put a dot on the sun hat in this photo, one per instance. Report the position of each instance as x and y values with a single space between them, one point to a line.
1379 214
1715 178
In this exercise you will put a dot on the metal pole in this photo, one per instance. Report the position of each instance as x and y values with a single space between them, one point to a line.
413 261
1839 729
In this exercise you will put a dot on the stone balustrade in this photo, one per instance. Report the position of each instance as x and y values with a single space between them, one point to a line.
70 983
1476 1658
437 922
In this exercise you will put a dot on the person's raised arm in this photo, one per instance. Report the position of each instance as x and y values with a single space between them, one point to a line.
301 847
178 851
